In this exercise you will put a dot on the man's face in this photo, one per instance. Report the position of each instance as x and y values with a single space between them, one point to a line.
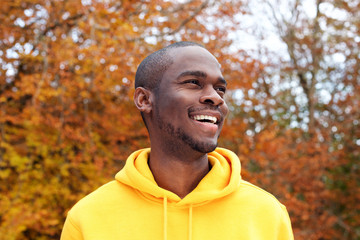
189 107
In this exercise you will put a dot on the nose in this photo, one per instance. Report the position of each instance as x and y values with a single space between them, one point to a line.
212 97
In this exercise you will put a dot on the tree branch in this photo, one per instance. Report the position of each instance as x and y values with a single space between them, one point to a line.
178 28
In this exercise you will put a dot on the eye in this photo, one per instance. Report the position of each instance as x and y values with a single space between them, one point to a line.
221 89
193 81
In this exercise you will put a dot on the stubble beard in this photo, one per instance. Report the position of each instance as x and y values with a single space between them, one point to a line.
180 135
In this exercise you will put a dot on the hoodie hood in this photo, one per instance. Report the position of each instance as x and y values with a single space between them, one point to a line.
223 178
222 206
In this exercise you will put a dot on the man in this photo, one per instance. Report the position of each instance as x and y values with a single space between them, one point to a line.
184 187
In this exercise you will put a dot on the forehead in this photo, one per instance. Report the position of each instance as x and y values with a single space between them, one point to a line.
192 58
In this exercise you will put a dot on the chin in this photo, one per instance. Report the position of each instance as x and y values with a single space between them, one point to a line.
204 147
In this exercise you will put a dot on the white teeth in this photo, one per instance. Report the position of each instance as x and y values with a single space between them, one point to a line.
205 117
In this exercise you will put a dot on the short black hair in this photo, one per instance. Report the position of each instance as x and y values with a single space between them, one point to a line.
152 68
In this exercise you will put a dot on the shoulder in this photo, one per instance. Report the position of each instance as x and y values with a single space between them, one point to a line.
90 211
255 196
99 194
99 200
258 205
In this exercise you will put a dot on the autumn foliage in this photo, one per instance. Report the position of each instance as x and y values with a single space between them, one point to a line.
68 122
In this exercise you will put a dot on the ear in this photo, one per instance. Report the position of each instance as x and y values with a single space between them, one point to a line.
143 99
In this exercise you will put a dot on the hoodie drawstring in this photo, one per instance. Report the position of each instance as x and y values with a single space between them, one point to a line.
165 218
190 221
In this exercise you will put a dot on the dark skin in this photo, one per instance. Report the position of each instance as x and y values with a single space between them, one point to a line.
184 118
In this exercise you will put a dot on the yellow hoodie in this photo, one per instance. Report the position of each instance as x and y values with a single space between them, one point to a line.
222 206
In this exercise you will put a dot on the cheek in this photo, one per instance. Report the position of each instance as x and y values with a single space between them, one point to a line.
225 109
174 100
170 106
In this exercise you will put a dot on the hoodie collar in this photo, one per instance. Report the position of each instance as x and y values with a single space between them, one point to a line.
223 178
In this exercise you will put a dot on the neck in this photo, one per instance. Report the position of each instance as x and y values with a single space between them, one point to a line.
178 173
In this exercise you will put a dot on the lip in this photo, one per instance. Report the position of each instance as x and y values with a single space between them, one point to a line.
207 127
216 114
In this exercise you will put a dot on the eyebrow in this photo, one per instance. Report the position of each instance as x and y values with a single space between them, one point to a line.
199 74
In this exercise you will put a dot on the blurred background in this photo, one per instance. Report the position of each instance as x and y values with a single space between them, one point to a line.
68 122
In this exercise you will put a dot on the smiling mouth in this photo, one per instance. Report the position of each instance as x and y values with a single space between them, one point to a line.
205 119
